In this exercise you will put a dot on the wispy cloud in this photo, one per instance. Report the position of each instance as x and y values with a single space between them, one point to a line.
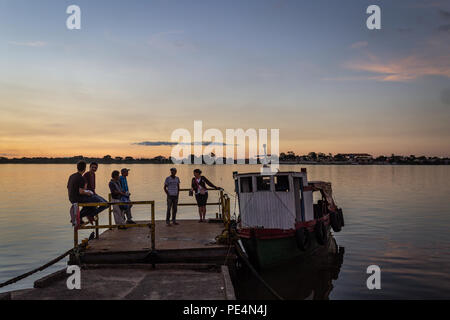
170 41
359 45
34 44
431 58
404 69
350 78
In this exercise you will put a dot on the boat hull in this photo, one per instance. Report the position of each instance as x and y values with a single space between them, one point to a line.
267 252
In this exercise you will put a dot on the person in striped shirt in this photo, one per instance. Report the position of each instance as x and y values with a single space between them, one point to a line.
172 189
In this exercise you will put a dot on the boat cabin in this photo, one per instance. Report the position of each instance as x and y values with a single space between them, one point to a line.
279 201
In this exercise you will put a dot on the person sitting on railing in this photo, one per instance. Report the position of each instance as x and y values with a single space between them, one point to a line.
199 183
90 181
78 194
116 194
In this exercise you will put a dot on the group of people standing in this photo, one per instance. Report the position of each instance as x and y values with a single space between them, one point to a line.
81 189
199 186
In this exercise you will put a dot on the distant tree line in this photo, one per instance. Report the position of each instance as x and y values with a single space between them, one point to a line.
105 160
285 158
359 158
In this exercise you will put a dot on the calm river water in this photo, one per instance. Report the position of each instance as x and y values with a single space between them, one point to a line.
397 217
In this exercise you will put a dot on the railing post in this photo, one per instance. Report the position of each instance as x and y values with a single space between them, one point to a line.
110 210
75 237
223 203
228 213
96 229
153 226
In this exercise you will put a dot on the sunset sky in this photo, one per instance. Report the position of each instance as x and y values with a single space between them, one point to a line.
137 70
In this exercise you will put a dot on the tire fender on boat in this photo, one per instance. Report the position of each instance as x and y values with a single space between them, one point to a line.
340 217
335 221
303 238
321 232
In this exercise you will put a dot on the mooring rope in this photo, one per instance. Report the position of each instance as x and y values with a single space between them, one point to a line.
45 266
255 273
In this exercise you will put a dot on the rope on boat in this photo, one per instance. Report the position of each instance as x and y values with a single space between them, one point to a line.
45 266
255 273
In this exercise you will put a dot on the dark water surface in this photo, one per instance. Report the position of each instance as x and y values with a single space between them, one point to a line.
397 217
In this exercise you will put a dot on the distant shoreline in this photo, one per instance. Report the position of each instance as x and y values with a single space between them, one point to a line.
281 163
284 159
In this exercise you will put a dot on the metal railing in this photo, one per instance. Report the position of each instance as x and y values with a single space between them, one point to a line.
223 203
97 226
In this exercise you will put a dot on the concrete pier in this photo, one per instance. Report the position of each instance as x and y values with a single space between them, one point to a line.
135 282
187 264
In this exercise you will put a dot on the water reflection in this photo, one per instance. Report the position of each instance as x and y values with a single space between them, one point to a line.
397 217
308 278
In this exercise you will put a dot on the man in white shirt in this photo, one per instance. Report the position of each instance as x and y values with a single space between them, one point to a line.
172 189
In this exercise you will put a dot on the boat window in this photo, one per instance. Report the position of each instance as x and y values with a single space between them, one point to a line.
317 196
246 185
263 183
281 183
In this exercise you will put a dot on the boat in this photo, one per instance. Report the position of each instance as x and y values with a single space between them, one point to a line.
297 279
284 216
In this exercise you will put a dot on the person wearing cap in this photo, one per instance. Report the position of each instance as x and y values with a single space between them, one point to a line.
199 183
172 189
126 198
116 194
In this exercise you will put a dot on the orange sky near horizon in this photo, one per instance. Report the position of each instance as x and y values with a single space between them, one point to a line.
60 149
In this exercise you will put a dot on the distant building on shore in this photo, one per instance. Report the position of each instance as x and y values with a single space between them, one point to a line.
359 157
